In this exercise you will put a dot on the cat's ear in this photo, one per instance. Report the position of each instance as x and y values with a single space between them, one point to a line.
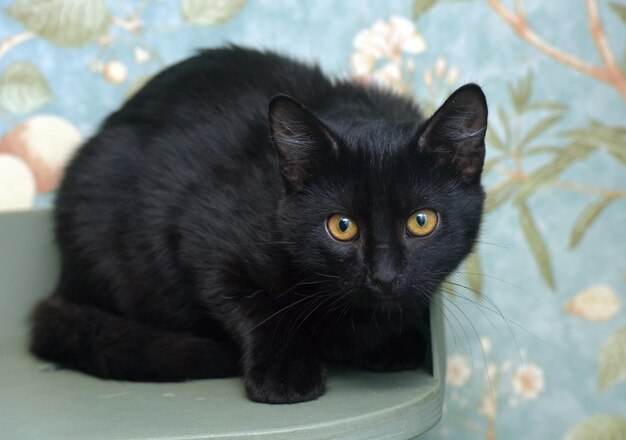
302 141
456 132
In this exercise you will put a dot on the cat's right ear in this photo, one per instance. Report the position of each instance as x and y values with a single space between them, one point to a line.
456 132
302 141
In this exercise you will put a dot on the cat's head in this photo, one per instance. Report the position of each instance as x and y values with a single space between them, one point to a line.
381 211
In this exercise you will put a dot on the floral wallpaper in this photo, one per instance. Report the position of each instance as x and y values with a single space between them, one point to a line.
535 318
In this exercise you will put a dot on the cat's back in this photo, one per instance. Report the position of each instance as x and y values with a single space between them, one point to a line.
208 112
227 84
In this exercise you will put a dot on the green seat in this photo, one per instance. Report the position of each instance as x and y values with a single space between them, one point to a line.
39 401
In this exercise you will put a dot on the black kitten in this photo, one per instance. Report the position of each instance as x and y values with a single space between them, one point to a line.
201 238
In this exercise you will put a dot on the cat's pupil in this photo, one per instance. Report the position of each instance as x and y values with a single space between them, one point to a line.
421 219
344 224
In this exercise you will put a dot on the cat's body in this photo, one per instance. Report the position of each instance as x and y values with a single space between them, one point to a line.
191 249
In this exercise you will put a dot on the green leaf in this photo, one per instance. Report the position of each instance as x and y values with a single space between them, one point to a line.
586 218
547 105
536 244
520 93
599 427
620 155
64 23
499 194
612 360
23 88
543 149
504 120
550 171
494 141
598 134
620 10
421 6
473 273
539 128
210 12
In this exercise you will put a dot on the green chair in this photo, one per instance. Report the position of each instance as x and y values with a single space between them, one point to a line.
38 401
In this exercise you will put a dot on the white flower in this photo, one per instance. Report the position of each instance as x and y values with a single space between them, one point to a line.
487 406
403 36
491 371
115 72
46 143
458 370
373 41
389 39
388 75
141 56
362 63
453 76
597 303
527 381
17 184
441 66
485 343
428 77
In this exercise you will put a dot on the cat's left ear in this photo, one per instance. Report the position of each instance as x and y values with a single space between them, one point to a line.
456 132
303 143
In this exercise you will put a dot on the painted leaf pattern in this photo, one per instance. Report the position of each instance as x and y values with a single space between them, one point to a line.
210 12
536 243
23 88
587 217
62 22
612 360
601 427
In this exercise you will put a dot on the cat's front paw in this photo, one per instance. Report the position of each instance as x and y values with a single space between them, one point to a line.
280 381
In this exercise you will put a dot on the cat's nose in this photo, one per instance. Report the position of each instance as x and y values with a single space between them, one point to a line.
386 282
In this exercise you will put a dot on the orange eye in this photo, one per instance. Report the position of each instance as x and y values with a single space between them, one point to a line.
341 227
422 222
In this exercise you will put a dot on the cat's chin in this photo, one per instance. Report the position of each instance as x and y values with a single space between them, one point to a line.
377 300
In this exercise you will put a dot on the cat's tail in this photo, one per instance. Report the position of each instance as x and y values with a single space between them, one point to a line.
112 347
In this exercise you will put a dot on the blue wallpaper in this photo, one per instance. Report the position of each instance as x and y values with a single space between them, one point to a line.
536 320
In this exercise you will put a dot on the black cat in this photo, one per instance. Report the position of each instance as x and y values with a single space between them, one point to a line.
201 237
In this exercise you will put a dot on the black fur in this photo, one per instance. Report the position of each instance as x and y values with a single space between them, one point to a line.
192 227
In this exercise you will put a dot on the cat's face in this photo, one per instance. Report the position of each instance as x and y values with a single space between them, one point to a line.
381 212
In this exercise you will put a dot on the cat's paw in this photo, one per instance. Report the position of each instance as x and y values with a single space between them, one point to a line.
280 381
